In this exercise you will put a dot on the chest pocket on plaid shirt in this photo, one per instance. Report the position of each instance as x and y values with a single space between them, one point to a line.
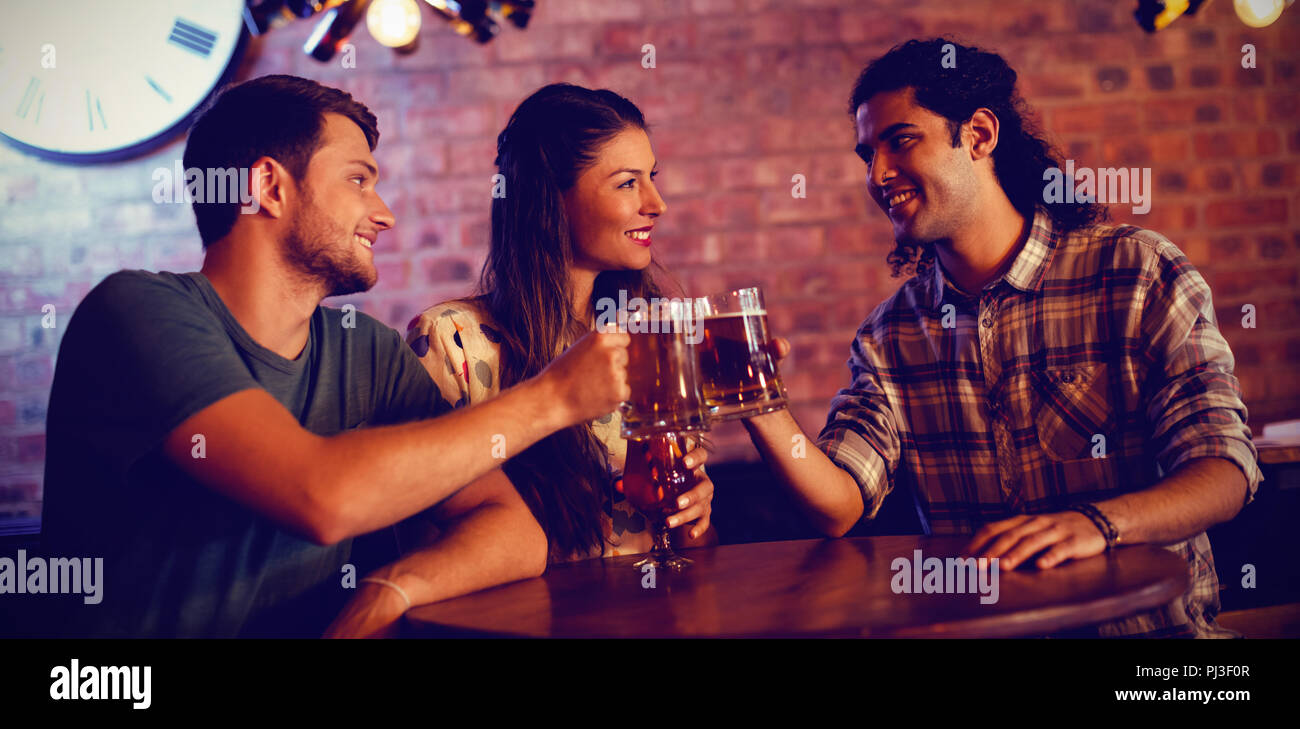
1073 406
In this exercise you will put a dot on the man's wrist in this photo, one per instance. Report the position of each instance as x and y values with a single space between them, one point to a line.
539 398
399 583
1100 521
767 422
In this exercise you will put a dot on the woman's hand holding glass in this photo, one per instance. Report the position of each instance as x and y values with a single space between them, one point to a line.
696 505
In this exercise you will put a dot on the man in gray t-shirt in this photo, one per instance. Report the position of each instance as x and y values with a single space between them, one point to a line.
145 351
218 438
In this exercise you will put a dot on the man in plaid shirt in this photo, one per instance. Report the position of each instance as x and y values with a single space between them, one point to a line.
1054 386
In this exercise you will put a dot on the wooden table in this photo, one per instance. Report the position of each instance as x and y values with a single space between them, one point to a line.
819 587
1275 454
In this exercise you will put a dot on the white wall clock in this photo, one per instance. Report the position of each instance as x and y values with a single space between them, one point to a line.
97 80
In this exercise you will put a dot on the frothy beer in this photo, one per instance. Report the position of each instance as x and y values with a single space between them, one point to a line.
738 365
663 375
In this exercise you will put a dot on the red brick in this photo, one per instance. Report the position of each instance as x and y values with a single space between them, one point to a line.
1238 143
546 41
1054 84
1272 247
420 232
1249 107
666 104
1235 284
600 10
673 250
31 448
1164 217
1111 118
1245 211
34 370
1185 111
453 196
718 211
830 205
738 245
437 123
476 233
728 138
473 157
394 272
799 317
1080 150
686 176
859 239
498 82
1271 175
827 133
838 168
1284 107
450 270
792 243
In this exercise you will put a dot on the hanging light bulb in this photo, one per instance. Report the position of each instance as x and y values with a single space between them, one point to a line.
1259 13
394 23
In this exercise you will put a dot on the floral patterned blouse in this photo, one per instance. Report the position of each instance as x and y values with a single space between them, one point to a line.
460 347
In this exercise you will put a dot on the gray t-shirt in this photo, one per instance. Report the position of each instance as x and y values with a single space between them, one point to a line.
142 353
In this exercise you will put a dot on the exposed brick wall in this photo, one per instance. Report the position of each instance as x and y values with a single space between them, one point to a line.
746 93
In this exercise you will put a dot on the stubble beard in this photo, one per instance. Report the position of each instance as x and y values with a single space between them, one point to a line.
322 253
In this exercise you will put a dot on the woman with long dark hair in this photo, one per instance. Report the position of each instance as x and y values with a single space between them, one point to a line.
572 217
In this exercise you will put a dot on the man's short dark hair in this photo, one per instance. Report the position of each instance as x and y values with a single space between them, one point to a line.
974 79
280 117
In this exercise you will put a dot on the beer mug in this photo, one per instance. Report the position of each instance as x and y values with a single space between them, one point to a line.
663 371
737 360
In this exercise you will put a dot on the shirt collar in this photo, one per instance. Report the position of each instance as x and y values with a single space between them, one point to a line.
1029 267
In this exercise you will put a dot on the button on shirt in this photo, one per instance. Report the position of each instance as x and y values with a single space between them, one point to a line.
1091 369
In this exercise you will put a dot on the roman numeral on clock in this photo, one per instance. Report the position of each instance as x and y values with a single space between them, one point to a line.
192 37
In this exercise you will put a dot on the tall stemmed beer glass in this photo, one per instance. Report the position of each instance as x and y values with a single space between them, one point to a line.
666 403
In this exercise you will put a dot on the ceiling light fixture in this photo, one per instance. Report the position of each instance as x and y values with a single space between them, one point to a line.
1155 15
394 23
1259 13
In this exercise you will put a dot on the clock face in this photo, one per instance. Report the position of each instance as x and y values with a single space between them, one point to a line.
91 80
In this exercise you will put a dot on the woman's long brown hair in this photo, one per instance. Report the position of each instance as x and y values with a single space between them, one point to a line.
551 138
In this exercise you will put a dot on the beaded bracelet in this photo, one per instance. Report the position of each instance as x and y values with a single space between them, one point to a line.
1107 529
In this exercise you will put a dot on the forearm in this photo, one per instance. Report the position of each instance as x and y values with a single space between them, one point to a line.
374 477
490 545
826 493
1201 493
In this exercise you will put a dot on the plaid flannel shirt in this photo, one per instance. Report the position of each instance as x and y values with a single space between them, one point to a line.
1091 369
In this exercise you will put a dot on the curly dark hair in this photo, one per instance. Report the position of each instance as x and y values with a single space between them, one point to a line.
977 79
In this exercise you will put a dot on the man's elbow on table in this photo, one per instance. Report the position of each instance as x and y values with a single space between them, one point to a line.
537 547
836 521
836 528
531 547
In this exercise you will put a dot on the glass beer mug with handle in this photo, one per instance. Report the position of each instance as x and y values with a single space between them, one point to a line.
737 359
663 372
